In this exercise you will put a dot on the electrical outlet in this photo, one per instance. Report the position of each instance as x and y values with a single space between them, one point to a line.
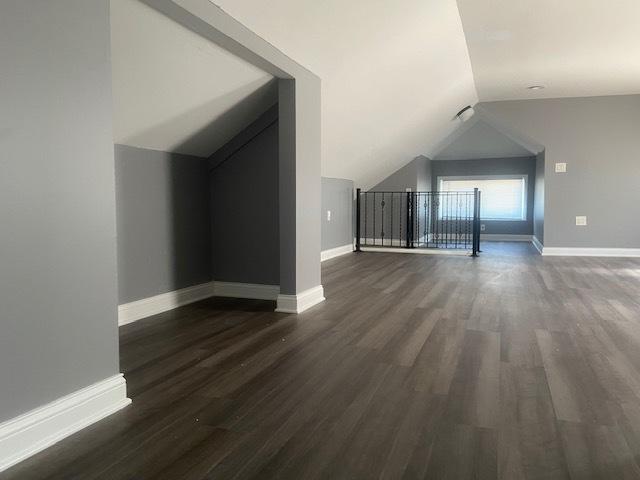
482 227
328 215
561 168
581 221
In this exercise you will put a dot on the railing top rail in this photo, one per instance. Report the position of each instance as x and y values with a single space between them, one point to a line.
469 192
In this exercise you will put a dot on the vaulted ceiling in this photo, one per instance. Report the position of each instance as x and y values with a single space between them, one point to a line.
393 73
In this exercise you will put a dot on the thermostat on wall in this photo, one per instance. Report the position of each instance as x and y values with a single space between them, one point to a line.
561 168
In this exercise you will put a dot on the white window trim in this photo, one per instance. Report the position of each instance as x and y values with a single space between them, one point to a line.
525 191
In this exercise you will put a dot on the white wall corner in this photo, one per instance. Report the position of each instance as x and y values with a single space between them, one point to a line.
335 252
40 428
300 302
538 244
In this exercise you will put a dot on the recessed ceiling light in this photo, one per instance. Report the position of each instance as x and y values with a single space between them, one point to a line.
535 87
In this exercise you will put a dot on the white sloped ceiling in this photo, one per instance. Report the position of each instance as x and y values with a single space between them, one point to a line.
176 91
393 74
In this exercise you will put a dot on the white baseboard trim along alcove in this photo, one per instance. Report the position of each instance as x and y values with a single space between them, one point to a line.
40 428
146 307
335 252
130 312
300 302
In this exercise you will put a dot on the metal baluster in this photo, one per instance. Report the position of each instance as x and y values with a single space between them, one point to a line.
358 219
392 195
382 220
374 218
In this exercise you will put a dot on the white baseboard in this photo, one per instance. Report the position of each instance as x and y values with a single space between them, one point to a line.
418 251
590 252
130 312
38 429
335 252
537 243
504 237
146 307
246 290
300 302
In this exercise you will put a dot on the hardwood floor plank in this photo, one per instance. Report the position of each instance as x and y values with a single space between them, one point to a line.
508 366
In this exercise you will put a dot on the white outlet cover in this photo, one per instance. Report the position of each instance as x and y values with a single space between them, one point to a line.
482 227
581 221
328 215
561 168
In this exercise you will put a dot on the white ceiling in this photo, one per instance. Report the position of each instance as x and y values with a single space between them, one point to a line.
573 47
393 76
481 140
175 91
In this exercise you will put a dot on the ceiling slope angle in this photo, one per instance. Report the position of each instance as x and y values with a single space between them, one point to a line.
176 91
568 48
481 140
393 76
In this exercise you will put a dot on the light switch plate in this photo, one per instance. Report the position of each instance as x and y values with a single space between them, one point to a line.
581 221
561 168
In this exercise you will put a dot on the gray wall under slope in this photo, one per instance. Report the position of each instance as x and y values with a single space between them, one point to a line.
598 139
244 205
337 197
494 166
164 222
415 175
58 298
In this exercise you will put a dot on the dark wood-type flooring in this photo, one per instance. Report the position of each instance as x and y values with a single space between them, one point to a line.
508 366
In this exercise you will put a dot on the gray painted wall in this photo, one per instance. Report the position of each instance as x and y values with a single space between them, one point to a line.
494 166
299 136
58 297
244 205
164 222
598 139
337 197
415 175
538 202
481 140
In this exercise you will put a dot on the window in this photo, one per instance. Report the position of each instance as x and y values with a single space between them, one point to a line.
504 197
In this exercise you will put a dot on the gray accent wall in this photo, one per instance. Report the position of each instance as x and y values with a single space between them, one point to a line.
244 205
58 296
164 222
494 166
337 197
597 137
481 140
415 175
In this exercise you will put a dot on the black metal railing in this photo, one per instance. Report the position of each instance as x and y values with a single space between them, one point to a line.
449 220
